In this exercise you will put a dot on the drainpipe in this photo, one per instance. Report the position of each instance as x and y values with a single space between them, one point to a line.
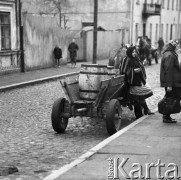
21 38
132 20
95 32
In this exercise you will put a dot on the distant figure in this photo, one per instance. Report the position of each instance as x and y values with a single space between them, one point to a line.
160 45
57 54
73 48
144 46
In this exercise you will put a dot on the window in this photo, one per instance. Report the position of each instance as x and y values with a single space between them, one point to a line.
171 31
138 2
177 5
168 4
151 32
156 33
173 4
167 33
5 30
163 3
161 30
136 31
144 29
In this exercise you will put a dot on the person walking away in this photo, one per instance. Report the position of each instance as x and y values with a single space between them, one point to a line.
160 45
135 73
141 48
148 50
57 55
170 75
73 48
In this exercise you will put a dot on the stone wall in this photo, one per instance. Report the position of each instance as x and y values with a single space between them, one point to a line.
41 35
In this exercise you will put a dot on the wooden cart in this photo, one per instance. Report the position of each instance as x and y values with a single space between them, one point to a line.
107 105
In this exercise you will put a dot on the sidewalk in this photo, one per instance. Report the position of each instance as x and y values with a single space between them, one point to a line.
15 80
147 140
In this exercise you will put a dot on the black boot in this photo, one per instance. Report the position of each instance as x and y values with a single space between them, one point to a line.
168 119
146 109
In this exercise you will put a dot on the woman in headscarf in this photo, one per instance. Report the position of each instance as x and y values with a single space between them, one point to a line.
135 73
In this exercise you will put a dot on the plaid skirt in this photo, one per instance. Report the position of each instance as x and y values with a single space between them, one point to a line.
140 92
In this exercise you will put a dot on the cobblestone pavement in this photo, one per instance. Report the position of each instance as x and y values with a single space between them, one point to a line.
28 141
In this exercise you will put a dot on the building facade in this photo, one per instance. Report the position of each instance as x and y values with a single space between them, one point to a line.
123 21
156 18
9 36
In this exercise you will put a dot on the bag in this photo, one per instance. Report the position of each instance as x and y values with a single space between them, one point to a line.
169 106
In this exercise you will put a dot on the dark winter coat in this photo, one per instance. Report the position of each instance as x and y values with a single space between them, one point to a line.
128 66
170 72
73 47
57 53
160 43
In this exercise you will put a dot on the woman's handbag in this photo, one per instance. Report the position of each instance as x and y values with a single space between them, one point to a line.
169 106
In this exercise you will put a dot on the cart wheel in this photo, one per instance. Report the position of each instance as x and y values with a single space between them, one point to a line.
59 123
113 116
138 111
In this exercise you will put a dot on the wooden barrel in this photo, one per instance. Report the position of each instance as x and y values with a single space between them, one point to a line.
111 72
89 80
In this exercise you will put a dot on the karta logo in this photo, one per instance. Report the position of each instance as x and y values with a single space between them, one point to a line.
139 171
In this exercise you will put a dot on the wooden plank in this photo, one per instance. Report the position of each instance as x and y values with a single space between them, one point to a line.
70 79
110 88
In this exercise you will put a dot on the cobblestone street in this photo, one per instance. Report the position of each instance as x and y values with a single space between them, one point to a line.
27 139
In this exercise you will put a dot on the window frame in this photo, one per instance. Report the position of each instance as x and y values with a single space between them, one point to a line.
156 32
163 4
4 39
167 32
151 31
138 2
168 4
173 4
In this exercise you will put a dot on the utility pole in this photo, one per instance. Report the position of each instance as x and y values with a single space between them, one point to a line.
95 32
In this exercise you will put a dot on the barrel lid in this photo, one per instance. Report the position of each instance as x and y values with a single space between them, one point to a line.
94 65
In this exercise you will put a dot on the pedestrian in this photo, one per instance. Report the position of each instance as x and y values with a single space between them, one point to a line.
170 75
160 45
73 48
57 55
135 74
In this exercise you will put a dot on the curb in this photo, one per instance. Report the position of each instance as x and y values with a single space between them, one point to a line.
57 173
32 82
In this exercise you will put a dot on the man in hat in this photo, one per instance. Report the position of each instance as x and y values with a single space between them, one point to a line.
170 75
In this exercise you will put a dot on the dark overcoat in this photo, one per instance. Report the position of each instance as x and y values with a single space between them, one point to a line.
170 72
57 53
73 47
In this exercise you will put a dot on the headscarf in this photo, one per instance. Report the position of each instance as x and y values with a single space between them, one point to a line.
130 51
174 43
171 47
